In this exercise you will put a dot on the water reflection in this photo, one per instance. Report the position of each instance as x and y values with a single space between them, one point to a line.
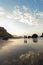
15 52
29 58
25 40
35 40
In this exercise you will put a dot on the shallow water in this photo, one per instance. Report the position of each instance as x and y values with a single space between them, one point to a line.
21 52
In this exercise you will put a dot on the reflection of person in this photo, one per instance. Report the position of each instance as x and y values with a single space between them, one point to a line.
35 40
25 41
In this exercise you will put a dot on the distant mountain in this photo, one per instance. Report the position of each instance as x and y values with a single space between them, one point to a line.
4 34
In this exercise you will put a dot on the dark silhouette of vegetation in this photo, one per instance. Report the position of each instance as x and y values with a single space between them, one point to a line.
29 36
25 36
4 34
34 36
41 35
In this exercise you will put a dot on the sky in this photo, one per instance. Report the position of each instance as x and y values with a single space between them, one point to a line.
22 16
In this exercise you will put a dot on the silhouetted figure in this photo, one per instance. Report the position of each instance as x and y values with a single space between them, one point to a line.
35 40
34 36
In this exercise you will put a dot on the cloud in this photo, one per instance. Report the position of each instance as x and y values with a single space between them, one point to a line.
2 12
40 14
21 19
20 14
39 17
23 16
25 8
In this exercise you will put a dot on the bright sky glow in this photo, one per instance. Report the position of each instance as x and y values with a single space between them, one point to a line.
22 16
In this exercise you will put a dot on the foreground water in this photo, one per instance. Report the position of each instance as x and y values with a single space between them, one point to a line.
21 52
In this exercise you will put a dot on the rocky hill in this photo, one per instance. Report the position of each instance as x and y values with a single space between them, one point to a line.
4 34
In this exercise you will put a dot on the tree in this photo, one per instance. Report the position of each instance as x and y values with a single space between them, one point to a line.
34 36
